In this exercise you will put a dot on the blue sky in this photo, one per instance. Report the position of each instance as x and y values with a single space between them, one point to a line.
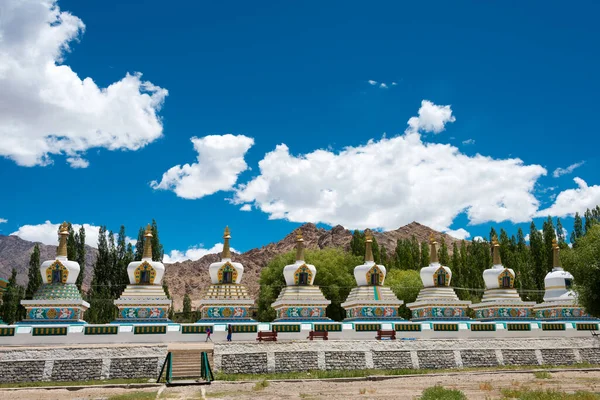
506 81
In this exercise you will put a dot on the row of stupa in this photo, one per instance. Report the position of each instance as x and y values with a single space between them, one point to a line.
228 301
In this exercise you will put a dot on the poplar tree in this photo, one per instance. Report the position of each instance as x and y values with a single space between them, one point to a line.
187 307
560 234
80 243
157 247
424 254
443 253
538 259
139 245
549 235
71 244
12 311
577 229
35 278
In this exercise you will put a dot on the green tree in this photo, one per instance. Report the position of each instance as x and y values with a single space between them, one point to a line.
139 245
560 234
35 278
406 286
583 262
80 243
549 235
157 248
357 243
12 311
443 253
577 229
538 260
187 307
102 309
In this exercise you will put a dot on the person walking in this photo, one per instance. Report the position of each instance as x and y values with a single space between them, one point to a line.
229 332
208 332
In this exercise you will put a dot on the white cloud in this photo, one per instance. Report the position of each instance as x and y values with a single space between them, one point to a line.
394 83
458 233
478 239
564 171
391 182
371 82
246 207
46 109
570 201
220 160
3 221
527 237
432 118
468 141
383 86
193 253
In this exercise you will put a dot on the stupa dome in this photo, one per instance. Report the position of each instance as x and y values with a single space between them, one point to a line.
300 273
435 274
146 271
369 273
226 271
60 270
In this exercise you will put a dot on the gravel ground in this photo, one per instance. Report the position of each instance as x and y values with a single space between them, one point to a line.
475 386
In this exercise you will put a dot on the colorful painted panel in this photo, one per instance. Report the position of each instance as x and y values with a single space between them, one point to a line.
587 327
518 327
227 267
375 270
150 330
561 313
286 328
303 269
143 313
506 280
225 312
101 330
445 327
553 327
483 327
372 312
51 313
190 329
503 312
407 327
244 328
367 327
145 267
7 331
60 269
301 312
49 331
443 280
327 327
439 312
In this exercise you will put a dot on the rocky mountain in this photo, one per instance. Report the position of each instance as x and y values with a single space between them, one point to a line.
192 276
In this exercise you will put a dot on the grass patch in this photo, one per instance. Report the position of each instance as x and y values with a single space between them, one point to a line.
360 373
542 375
260 385
76 383
441 393
547 395
135 396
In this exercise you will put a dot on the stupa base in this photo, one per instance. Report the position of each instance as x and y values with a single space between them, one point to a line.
559 311
54 311
503 310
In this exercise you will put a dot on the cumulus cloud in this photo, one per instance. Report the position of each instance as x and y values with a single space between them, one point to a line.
383 86
372 82
46 109
478 239
391 182
3 221
47 233
458 233
219 162
193 253
570 201
246 207
468 141
564 171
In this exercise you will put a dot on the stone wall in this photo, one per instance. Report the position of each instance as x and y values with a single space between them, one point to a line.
250 357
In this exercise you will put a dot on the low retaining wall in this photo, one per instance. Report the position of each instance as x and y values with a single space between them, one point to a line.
21 364
402 354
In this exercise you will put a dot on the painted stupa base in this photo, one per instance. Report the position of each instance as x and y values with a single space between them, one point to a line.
503 304
301 303
55 302
367 303
143 303
226 303
560 310
438 303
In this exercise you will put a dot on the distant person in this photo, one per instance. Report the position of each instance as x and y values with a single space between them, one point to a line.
208 332
229 332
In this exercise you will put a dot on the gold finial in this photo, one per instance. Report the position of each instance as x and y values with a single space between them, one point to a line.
433 255
369 246
496 251
555 256
226 236
299 246
147 242
63 232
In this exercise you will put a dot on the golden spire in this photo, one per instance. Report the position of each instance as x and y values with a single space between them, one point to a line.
369 246
226 236
555 257
63 232
299 246
496 251
433 255
148 242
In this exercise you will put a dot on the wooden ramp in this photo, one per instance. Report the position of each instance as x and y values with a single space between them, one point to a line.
188 364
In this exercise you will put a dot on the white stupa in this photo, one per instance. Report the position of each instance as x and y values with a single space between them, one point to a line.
560 301
144 299
300 300
226 299
437 300
370 300
58 299
500 299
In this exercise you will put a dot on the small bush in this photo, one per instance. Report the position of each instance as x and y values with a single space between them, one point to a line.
362 391
260 385
441 393
547 395
542 375
485 386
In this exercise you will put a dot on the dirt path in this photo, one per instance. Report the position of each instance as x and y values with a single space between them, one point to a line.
480 386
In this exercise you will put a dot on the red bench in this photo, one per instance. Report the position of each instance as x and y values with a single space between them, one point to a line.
267 336
385 334
320 335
